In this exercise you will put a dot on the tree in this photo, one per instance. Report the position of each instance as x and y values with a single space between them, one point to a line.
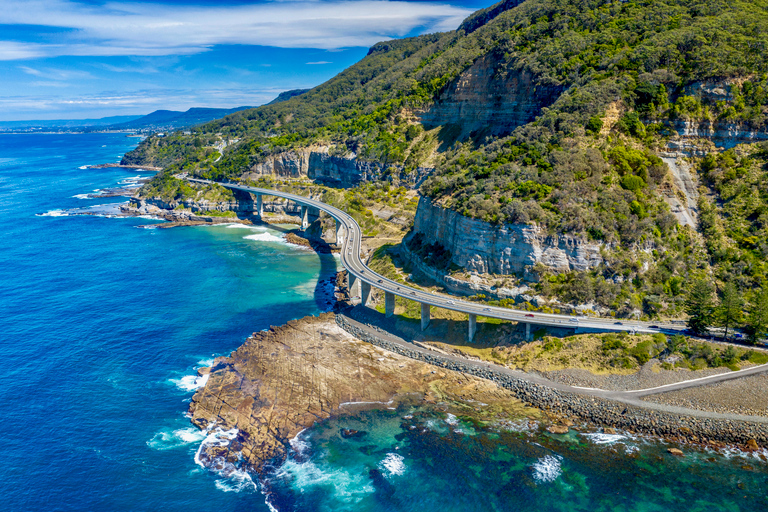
729 312
757 322
700 306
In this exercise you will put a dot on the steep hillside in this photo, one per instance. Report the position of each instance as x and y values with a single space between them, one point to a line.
588 135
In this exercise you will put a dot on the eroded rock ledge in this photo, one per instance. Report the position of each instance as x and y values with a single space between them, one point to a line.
283 380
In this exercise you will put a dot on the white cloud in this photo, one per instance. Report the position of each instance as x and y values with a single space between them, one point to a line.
146 29
319 62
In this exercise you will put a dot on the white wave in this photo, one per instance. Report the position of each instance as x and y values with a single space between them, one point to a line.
236 225
452 420
602 438
547 468
81 196
349 487
191 382
236 481
205 363
233 479
54 213
166 440
216 437
265 237
298 445
394 463
149 217
131 180
362 403
83 167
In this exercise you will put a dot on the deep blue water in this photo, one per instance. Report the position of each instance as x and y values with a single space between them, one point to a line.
103 324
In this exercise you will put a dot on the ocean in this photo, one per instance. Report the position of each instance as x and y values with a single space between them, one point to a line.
104 323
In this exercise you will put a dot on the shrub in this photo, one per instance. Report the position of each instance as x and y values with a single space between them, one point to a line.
594 125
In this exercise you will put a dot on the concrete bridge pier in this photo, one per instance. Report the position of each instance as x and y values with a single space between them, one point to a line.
354 287
304 217
472 326
527 332
389 304
260 206
338 228
365 292
425 310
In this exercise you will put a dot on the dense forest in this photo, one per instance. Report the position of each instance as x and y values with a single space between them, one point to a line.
628 75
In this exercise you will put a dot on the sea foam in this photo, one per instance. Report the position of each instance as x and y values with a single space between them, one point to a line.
547 468
167 439
265 237
394 463
190 382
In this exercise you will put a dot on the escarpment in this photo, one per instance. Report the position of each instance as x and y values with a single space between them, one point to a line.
480 247
319 164
491 97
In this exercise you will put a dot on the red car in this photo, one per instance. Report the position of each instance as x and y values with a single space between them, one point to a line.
529 315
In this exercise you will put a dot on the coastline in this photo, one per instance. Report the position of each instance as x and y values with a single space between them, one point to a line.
126 166
557 407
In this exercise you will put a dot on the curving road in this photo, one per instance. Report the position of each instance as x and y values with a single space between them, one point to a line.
350 259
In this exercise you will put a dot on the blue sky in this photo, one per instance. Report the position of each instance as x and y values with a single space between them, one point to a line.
61 59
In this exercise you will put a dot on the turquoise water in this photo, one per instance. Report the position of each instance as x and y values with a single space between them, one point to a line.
103 324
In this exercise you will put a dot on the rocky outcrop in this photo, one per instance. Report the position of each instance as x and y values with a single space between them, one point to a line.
284 380
723 134
472 286
685 208
509 249
676 424
490 97
319 164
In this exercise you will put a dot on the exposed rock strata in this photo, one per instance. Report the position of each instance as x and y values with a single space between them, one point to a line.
489 96
284 380
510 249
317 163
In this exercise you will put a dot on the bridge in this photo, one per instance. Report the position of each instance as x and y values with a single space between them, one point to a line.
362 280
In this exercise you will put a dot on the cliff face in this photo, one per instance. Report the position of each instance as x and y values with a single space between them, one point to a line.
511 249
318 164
488 96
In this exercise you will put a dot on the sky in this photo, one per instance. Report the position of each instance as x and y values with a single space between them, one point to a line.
63 59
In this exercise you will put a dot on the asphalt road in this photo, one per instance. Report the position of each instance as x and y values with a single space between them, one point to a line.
350 259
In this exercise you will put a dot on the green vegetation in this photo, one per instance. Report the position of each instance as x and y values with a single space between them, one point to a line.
618 76
619 353
700 306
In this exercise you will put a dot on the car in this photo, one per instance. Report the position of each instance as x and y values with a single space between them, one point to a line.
451 302
413 293
379 281
617 323
576 320
654 327
486 309
529 315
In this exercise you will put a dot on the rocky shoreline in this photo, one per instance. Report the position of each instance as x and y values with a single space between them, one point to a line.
660 421
284 380
126 166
